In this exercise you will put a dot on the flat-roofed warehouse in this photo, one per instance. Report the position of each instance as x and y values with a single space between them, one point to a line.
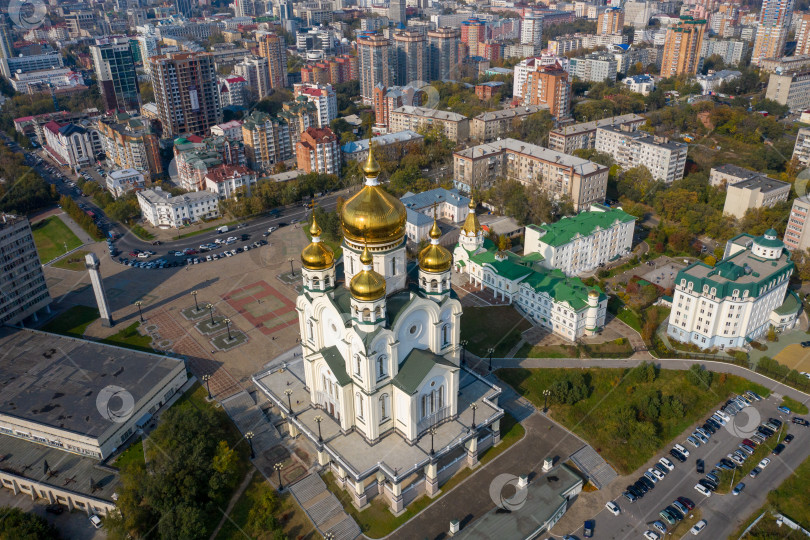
79 396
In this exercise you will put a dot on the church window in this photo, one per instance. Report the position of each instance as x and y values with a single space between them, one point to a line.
316 284
384 407
434 285
412 330
310 330
382 368
377 313
359 405
366 314
445 334
351 265
357 365
326 281
394 266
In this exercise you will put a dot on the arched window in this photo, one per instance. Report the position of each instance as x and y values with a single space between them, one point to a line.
310 330
326 282
377 313
445 334
366 314
351 265
316 283
359 400
433 285
382 366
357 365
385 407
394 266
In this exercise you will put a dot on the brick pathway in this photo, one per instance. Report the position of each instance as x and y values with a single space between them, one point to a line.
263 307
199 360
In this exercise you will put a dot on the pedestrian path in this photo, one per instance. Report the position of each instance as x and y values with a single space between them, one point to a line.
598 471
246 415
324 509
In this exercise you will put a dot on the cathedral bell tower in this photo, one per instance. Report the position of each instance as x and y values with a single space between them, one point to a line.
368 295
435 262
471 236
318 264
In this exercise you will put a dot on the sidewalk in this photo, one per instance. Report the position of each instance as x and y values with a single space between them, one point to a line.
76 229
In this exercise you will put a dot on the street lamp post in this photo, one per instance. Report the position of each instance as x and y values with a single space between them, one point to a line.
288 392
432 432
474 407
319 419
292 272
249 436
211 312
196 305
463 344
228 326
490 351
278 467
140 313
546 393
206 378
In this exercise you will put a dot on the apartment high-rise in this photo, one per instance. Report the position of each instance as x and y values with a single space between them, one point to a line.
531 31
803 35
774 23
273 47
610 22
129 143
256 71
318 151
538 84
473 32
682 47
115 72
185 86
396 12
22 281
410 57
266 139
374 51
443 52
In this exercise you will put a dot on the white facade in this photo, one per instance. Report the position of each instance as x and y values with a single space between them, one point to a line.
731 304
256 71
713 80
34 62
665 160
801 150
160 209
70 144
640 84
119 182
324 98
594 67
583 242
59 78
226 180
231 130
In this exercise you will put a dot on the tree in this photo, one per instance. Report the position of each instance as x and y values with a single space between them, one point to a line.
147 93
636 183
18 525
699 376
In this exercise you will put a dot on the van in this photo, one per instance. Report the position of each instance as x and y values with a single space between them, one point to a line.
222 229
702 490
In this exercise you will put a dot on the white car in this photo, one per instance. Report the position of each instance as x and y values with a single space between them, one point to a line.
271 229
699 526
719 419
231 240
96 521
649 535
682 450
613 508
723 415
228 254
655 472
702 490
667 463
764 463
143 255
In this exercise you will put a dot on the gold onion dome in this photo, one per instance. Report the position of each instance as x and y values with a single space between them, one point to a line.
471 224
435 258
372 214
317 255
367 285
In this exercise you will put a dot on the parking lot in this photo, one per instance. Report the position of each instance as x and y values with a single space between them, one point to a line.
722 512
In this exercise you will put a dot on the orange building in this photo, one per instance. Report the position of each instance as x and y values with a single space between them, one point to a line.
610 22
682 47
273 47
549 85
318 151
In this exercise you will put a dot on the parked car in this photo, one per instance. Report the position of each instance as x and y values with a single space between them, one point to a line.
660 527
587 528
667 463
699 526
677 455
613 508
649 535
700 466
764 463
738 488
754 472
702 490
96 521
663 470
783 409
656 473
789 438
800 421
686 502
651 477
682 450
630 496
778 449
680 506
693 441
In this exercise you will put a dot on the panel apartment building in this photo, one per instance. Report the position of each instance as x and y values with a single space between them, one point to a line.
665 160
456 126
556 173
22 281
583 135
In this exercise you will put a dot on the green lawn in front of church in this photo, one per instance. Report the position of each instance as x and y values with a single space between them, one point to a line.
497 327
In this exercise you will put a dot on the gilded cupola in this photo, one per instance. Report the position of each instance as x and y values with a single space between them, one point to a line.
471 225
317 255
372 215
367 285
435 258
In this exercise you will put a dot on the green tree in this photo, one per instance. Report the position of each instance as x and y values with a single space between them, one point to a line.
699 376
18 525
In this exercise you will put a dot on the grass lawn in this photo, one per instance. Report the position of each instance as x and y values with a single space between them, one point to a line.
377 520
72 322
617 398
131 339
497 326
792 499
204 230
556 351
75 261
794 406
51 235
619 348
142 233
294 522
630 318
133 454
680 529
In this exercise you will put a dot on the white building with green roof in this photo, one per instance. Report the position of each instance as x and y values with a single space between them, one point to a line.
583 242
737 300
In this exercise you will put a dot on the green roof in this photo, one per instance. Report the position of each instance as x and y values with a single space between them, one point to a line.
533 257
583 224
337 364
506 268
416 367
769 242
562 288
790 306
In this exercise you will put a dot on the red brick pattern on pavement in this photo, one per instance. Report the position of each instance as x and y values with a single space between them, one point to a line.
199 360
262 322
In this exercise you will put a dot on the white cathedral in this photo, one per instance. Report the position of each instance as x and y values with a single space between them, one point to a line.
380 353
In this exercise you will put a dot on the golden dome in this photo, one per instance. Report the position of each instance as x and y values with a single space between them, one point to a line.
367 285
435 258
371 168
471 224
317 255
372 214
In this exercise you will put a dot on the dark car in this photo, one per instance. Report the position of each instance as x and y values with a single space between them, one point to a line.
660 468
635 491
805 344
245 236
710 428
778 449
789 438
700 466
629 496
714 423
711 486
686 502
800 421
641 486
675 512
55 509
766 432
587 529
677 455
776 422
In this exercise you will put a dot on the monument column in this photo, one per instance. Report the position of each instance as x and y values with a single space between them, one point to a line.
93 265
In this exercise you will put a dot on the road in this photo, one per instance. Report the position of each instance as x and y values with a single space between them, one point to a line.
723 513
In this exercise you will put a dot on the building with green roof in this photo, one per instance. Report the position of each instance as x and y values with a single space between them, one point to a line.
737 300
583 242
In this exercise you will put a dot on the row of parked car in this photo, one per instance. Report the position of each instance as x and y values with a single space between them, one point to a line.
186 258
